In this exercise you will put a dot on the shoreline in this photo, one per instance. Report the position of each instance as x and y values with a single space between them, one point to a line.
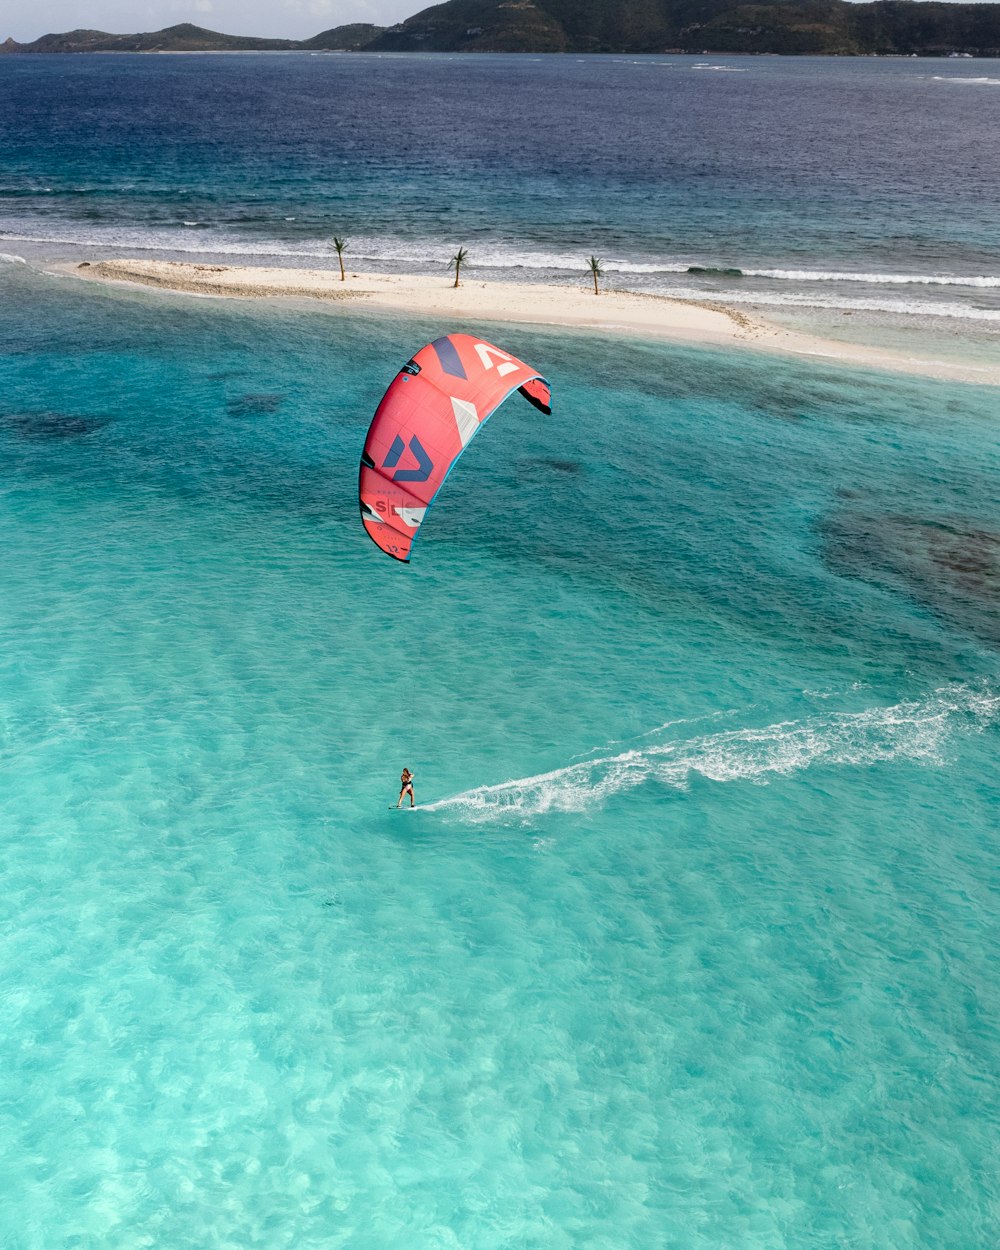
626 313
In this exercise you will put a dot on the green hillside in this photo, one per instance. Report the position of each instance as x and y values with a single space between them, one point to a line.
791 27
188 38
182 38
782 26
350 38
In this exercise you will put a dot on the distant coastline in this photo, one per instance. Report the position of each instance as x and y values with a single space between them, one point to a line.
627 313
705 27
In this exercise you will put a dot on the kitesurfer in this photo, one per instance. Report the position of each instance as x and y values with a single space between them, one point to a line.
406 786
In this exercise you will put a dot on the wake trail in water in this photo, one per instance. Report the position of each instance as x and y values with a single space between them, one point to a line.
914 731
658 729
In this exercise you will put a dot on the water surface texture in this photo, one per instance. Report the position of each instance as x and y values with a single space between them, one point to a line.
691 941
835 185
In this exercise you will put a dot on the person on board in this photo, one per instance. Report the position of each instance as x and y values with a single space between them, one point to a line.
406 786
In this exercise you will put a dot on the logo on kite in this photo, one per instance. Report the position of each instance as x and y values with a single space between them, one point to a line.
425 465
507 364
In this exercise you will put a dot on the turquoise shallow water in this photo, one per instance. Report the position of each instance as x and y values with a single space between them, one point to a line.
692 942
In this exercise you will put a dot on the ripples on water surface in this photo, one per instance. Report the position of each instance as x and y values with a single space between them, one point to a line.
693 942
854 187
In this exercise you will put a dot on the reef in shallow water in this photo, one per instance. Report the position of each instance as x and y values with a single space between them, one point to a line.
51 426
950 565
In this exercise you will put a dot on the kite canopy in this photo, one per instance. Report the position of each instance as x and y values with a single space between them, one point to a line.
433 409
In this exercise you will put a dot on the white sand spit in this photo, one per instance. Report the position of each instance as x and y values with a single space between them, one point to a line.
627 313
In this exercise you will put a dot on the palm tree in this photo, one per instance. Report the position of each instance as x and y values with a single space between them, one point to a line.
338 247
594 265
458 260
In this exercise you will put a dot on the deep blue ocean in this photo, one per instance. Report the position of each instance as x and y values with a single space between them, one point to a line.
692 940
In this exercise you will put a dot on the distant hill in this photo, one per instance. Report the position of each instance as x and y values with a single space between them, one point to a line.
351 38
797 27
790 27
188 38
182 38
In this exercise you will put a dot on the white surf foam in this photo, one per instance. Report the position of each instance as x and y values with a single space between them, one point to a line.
10 259
972 82
915 731
428 255
168 242
791 299
429 252
876 279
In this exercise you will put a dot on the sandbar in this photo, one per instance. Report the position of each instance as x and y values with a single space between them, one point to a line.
614 312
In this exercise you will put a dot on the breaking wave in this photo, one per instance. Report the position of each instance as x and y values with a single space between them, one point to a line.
804 299
428 253
877 279
915 730
974 82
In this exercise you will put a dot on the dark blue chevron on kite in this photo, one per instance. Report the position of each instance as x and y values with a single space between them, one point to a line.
425 465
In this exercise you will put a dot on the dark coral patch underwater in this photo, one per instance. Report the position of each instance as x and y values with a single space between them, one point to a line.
252 405
51 426
949 565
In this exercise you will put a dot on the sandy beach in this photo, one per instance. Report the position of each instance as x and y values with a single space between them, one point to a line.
612 311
